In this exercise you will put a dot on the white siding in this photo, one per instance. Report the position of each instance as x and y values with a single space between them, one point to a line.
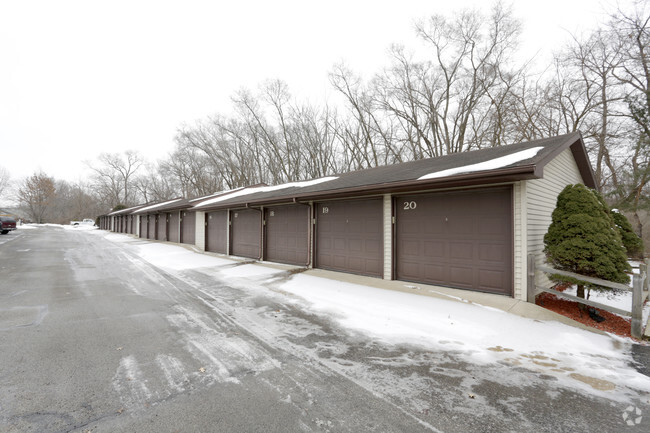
137 225
519 223
388 236
199 233
541 198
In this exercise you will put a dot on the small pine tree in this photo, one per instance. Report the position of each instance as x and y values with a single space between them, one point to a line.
583 239
632 243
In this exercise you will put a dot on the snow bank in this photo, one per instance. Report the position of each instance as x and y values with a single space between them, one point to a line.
492 164
80 227
176 257
478 334
26 227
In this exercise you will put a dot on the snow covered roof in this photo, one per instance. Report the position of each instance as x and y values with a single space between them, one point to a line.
158 207
126 211
261 189
485 166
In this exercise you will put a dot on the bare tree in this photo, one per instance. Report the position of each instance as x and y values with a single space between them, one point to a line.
5 180
114 176
73 201
366 139
157 183
37 195
633 32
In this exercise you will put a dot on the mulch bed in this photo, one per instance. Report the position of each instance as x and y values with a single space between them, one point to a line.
612 323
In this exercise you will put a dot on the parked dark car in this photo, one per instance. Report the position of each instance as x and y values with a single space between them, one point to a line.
7 224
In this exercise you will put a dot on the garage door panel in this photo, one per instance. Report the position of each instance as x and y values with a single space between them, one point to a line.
188 228
409 246
434 272
493 253
287 234
491 278
431 226
459 239
411 268
217 231
151 228
351 232
491 226
246 233
461 250
461 275
431 248
457 226
339 261
372 245
174 227
356 245
162 228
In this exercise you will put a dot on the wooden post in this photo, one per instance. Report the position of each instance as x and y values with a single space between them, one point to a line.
637 306
531 278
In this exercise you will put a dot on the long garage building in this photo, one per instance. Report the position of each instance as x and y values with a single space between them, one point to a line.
466 220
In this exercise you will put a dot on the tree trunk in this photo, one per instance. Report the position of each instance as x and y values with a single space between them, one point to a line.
638 227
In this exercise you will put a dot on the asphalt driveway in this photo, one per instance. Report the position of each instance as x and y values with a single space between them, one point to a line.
95 338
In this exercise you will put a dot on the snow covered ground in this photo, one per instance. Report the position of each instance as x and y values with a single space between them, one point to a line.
80 227
480 335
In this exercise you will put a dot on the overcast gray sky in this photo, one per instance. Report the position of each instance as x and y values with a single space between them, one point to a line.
78 78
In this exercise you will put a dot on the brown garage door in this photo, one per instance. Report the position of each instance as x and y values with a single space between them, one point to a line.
188 227
161 234
287 234
174 227
151 232
456 239
143 226
349 236
246 233
216 232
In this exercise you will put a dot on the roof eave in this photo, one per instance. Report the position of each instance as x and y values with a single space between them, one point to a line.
574 142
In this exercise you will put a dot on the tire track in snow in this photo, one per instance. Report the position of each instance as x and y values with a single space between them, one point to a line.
131 385
329 368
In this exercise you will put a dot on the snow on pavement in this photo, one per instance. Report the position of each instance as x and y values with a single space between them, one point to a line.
480 335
